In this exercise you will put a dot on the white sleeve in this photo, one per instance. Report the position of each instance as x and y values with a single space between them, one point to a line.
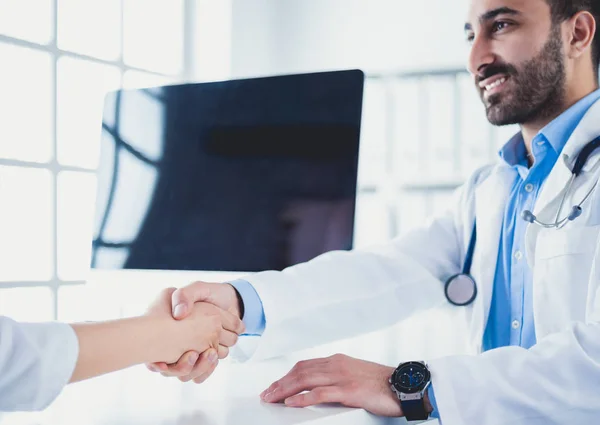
342 294
36 362
555 382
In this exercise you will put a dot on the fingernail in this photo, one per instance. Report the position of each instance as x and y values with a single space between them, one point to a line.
290 402
192 359
213 357
179 310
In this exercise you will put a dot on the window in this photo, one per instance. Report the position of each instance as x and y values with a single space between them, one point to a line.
59 58
423 134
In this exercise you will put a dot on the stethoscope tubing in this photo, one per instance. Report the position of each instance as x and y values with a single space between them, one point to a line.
527 215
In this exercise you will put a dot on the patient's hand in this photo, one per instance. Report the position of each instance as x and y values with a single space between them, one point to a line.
189 364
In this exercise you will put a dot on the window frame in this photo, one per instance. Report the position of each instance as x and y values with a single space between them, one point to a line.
186 74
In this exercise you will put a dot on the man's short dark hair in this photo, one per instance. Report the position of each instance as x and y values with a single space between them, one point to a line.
562 10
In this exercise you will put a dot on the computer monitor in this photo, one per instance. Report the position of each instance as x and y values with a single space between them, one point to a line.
242 175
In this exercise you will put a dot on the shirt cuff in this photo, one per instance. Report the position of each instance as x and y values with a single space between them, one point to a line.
254 314
431 394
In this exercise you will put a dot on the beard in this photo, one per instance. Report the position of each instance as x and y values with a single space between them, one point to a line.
533 91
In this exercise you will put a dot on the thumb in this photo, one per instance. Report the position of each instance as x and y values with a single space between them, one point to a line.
183 299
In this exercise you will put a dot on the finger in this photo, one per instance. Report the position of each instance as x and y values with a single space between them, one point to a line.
205 364
296 382
232 323
161 366
205 375
228 339
184 365
319 395
184 298
157 367
303 367
223 352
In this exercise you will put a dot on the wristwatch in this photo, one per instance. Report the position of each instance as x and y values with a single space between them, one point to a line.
409 381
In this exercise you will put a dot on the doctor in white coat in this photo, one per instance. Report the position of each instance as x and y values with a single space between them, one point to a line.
536 318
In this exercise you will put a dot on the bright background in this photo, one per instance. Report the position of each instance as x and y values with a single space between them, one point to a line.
424 130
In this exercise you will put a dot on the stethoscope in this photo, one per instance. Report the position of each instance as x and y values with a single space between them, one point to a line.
461 289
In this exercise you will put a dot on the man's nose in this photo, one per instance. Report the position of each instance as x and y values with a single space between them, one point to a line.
480 56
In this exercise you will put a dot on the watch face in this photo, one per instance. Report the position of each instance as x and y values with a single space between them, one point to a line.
411 377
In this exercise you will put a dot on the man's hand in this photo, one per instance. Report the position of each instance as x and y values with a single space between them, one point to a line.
223 295
203 329
192 365
337 379
155 336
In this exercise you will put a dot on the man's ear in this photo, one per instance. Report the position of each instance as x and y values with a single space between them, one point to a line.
582 29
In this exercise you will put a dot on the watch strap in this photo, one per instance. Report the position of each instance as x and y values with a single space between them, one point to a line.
414 410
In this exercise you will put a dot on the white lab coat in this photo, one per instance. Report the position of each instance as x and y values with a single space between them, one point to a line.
341 294
36 362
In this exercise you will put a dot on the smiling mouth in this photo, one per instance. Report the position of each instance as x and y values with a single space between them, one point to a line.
497 83
492 86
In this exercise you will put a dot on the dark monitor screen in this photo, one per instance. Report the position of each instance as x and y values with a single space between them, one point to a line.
242 175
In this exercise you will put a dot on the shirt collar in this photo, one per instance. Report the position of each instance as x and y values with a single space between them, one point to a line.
513 152
559 130
556 133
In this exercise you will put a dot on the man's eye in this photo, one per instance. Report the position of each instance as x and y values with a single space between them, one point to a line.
499 26
470 38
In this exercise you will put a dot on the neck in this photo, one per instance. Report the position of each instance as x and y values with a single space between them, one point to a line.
530 129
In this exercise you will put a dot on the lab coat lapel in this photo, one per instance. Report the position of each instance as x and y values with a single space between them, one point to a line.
557 181
490 203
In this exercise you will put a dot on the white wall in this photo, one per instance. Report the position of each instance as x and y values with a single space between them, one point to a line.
212 40
275 36
253 37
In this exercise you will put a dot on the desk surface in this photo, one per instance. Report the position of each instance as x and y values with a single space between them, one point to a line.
229 397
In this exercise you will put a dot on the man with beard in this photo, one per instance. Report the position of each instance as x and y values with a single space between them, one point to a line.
535 318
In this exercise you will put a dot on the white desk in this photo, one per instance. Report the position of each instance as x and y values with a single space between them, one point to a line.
230 397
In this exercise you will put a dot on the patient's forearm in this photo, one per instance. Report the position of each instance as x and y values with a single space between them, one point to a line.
115 345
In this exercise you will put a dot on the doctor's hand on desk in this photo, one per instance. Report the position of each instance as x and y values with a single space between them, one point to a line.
193 365
338 379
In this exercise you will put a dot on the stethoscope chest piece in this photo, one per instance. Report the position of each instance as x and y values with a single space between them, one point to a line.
460 290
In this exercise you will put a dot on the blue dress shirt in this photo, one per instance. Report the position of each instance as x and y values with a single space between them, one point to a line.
254 315
510 320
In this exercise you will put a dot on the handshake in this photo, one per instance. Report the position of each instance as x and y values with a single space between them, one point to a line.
208 318
206 322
